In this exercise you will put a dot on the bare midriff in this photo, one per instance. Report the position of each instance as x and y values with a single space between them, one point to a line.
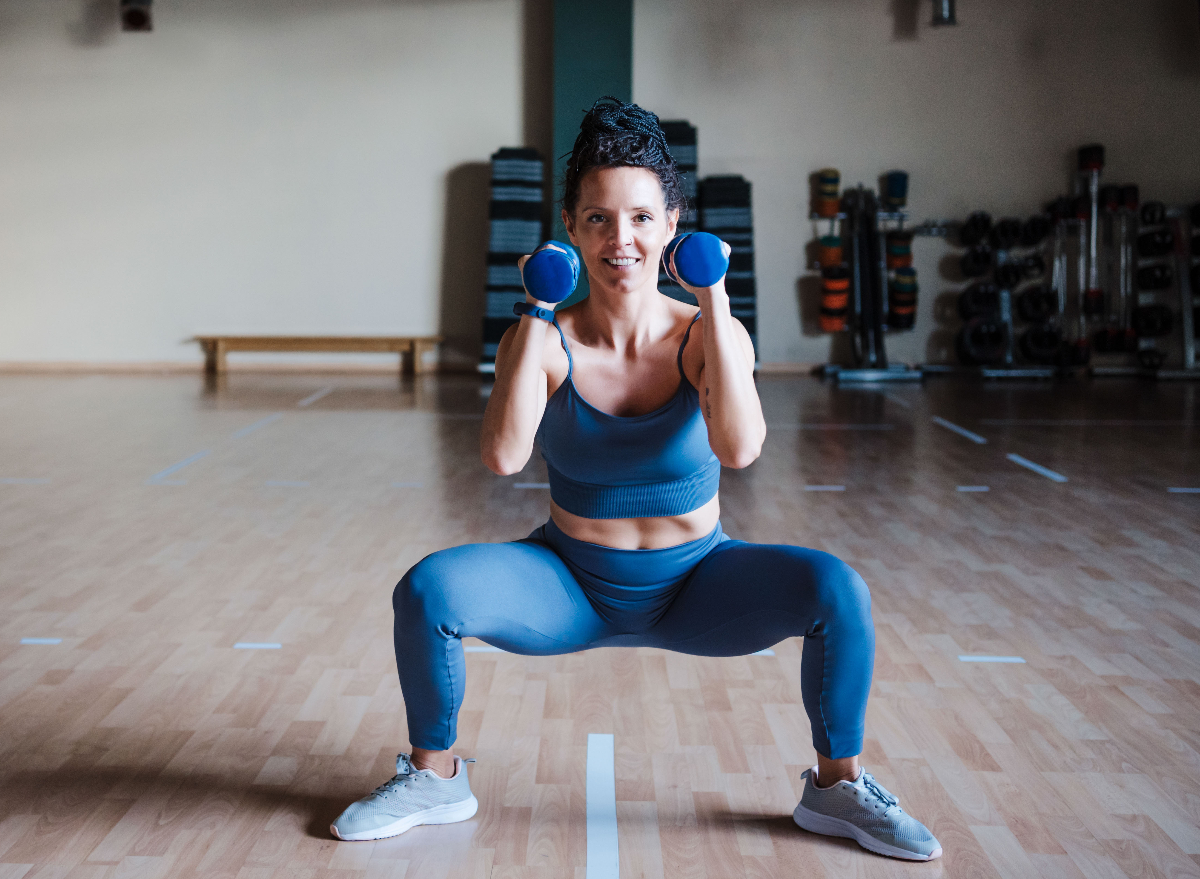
655 532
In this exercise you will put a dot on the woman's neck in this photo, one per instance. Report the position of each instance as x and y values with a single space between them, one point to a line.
624 320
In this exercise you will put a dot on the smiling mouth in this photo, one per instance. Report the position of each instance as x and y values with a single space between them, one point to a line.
624 261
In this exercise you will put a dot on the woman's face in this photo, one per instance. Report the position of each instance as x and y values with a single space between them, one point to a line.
621 225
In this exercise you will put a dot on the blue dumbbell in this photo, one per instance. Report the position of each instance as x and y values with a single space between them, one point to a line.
701 259
550 275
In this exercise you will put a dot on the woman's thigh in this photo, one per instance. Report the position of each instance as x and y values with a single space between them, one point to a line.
518 596
743 597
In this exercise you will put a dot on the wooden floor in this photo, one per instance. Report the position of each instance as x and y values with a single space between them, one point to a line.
145 744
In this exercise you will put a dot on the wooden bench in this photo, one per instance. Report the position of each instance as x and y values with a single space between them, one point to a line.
216 347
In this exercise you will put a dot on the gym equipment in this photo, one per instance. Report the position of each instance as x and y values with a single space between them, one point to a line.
899 249
895 189
980 300
977 261
1008 275
1034 230
725 211
975 229
1006 234
683 143
135 15
1129 197
943 13
700 259
1154 213
1110 197
1091 163
1036 304
1153 321
983 342
1157 242
1151 358
829 251
552 272
515 219
902 299
1041 344
826 199
1033 266
1157 276
835 298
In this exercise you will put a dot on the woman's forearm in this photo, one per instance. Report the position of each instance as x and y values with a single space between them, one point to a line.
514 407
730 401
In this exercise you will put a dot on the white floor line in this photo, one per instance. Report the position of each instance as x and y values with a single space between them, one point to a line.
256 645
972 488
767 652
602 858
824 488
961 431
22 480
531 485
1036 468
991 659
41 640
482 648
898 401
250 428
162 474
313 397
283 483
1184 490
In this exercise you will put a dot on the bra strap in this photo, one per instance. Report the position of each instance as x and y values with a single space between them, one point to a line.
562 336
686 335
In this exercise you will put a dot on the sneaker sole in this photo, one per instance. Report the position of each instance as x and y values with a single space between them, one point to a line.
815 822
447 814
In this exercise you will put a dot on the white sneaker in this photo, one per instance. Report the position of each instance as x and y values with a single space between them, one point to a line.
412 797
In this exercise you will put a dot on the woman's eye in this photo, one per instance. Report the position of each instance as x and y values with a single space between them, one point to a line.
596 218
644 218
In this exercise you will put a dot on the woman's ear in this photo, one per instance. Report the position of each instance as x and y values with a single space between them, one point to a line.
569 223
672 222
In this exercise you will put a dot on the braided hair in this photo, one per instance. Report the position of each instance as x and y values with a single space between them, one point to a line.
614 135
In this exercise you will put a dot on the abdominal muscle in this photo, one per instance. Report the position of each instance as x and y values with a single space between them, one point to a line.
654 532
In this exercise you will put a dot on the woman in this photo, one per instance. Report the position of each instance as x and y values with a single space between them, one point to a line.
636 401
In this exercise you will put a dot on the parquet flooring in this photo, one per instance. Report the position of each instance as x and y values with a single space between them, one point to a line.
145 744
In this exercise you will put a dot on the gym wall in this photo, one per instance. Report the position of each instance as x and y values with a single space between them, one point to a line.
985 115
259 166
276 166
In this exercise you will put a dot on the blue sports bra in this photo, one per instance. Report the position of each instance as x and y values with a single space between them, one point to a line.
605 466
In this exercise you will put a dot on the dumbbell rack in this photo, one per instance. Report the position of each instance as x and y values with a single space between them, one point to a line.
1189 302
868 291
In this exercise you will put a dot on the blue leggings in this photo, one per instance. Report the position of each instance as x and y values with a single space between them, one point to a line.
550 594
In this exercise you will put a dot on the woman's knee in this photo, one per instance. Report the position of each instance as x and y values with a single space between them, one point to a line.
422 592
840 592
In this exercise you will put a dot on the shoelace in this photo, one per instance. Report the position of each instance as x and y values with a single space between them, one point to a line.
404 772
881 793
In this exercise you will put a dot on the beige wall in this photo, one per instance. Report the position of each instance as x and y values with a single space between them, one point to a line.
985 115
299 166
261 166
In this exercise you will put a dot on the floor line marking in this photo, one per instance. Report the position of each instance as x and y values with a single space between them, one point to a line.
23 480
972 488
531 485
824 488
898 401
408 485
162 474
250 428
1184 490
283 483
1010 659
1036 468
313 397
602 858
482 648
767 652
257 645
961 431
41 640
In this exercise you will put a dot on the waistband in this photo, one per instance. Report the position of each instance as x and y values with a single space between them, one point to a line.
636 568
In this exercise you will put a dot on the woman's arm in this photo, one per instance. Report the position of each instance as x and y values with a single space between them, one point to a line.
518 398
732 410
